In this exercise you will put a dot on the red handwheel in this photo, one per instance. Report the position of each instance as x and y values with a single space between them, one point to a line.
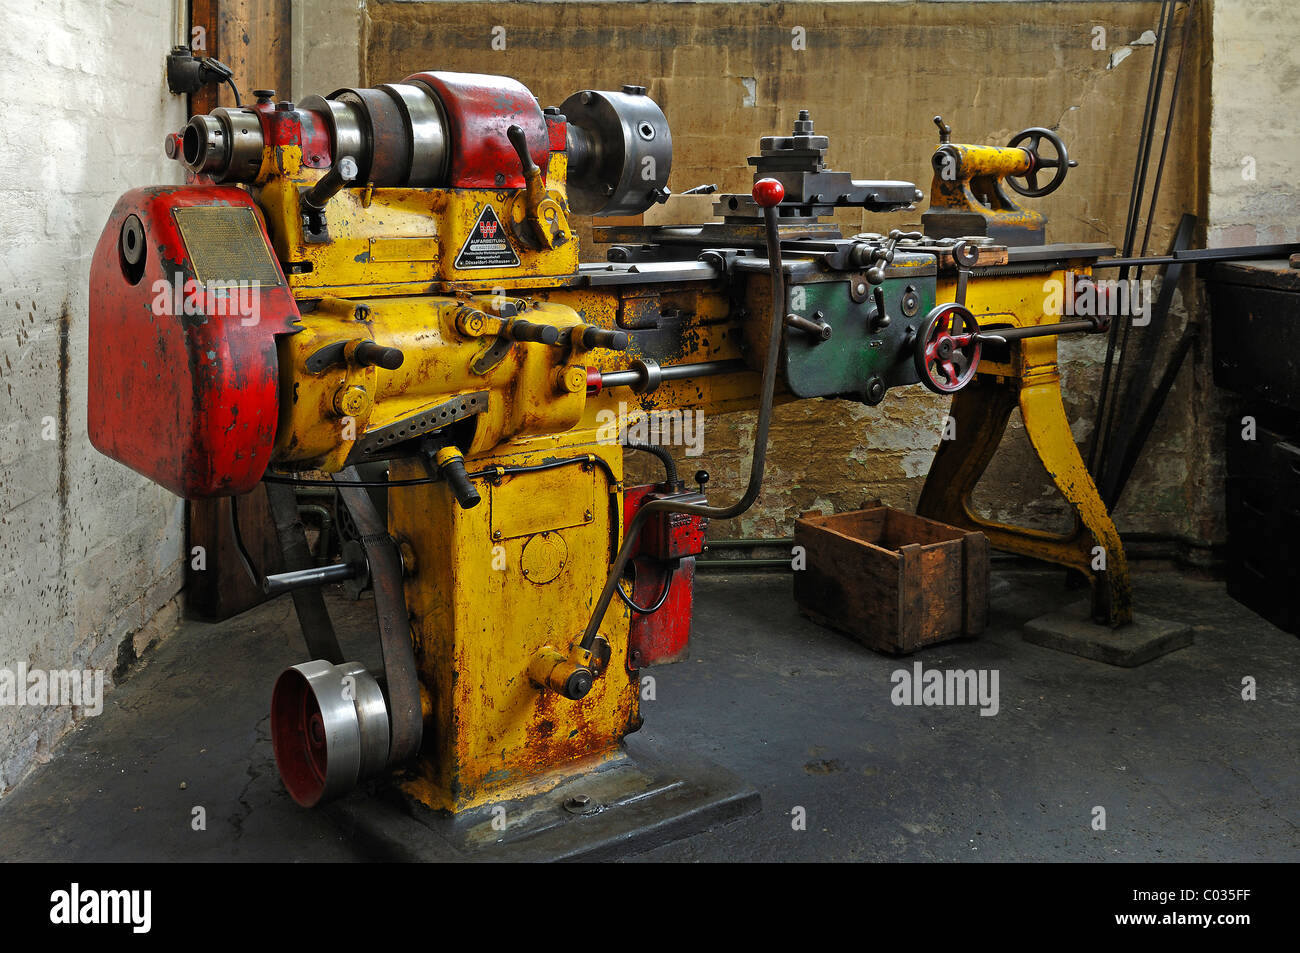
948 348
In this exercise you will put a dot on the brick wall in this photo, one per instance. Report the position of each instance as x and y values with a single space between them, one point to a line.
90 553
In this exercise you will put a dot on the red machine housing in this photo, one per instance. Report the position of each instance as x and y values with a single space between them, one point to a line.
664 556
178 391
479 109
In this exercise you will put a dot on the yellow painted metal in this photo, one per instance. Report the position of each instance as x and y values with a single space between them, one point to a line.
1029 380
394 240
968 178
527 390
482 627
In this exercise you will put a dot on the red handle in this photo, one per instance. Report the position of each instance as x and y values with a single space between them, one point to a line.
768 192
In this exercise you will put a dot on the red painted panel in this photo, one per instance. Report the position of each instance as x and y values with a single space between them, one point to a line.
662 636
188 400
479 111
297 127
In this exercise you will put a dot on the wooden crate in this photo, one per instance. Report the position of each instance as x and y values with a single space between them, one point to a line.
893 581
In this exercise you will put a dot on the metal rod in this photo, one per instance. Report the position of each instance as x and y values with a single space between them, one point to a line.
1108 433
1151 413
1131 390
1204 256
1155 87
1100 421
673 372
1169 125
282 582
743 564
1042 330
749 543
758 461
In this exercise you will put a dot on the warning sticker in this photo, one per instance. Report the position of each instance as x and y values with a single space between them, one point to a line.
487 245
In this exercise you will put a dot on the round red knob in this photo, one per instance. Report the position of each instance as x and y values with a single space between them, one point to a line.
768 192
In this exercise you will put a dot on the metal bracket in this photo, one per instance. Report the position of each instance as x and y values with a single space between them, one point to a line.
370 444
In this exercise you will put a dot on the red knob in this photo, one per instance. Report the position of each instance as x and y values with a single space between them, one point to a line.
768 192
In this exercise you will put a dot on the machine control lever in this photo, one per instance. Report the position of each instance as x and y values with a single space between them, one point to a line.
520 142
370 354
880 319
817 330
542 211
520 330
589 337
451 464
343 172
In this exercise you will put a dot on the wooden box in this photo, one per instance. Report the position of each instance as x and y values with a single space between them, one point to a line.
893 581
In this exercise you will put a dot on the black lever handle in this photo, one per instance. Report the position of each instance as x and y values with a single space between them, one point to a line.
593 337
517 139
370 354
451 464
521 330
343 172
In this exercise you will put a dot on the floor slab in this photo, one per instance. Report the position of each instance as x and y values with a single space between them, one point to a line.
1183 766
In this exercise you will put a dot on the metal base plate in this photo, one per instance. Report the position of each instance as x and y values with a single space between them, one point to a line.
639 800
1072 630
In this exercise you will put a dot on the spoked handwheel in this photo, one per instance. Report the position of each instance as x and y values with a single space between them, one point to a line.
1058 164
948 348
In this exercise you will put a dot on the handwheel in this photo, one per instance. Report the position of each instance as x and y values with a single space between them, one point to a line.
948 349
1061 163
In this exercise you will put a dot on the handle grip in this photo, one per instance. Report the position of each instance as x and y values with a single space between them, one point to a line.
520 330
520 141
343 172
593 337
370 354
451 464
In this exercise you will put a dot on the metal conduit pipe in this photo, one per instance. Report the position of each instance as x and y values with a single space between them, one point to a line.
767 193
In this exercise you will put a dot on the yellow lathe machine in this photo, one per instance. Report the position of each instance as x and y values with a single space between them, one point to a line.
384 285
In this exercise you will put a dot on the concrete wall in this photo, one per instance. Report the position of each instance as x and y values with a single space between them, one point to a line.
89 552
326 45
1254 188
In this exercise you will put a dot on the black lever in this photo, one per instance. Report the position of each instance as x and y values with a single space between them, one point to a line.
879 320
370 354
594 337
521 330
343 172
451 464
520 141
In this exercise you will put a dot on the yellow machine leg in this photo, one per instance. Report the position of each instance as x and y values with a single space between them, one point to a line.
981 412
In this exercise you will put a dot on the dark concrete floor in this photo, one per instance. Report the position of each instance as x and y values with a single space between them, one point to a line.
1185 769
